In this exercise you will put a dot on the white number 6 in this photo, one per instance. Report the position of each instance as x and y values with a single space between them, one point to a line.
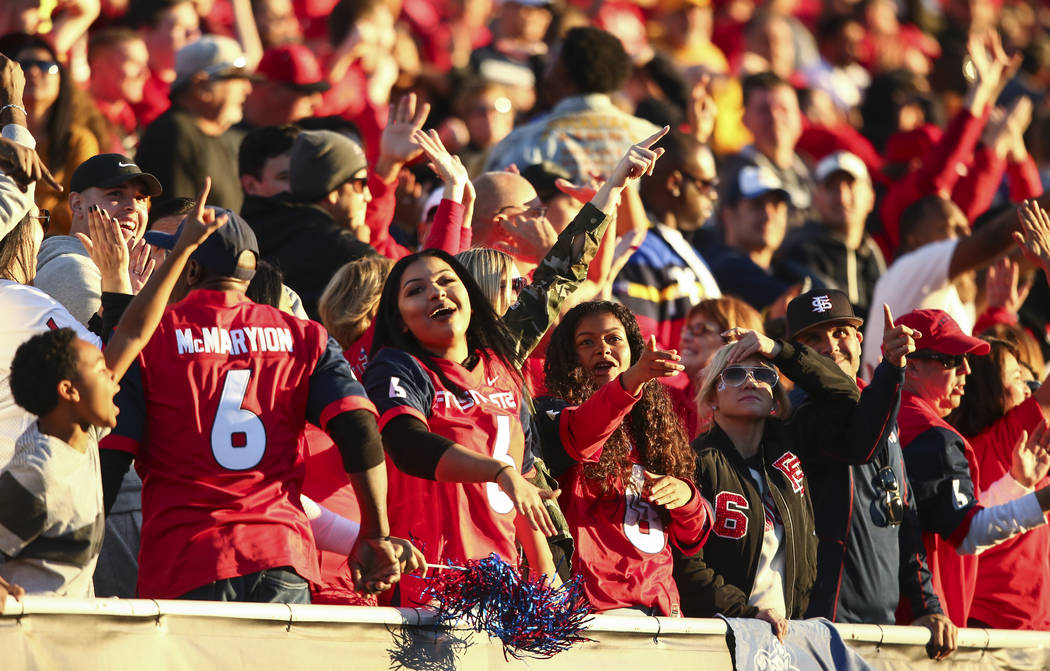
498 499
238 437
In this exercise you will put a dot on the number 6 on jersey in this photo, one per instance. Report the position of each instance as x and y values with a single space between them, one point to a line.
238 437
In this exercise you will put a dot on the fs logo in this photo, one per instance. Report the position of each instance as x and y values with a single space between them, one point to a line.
821 303
789 465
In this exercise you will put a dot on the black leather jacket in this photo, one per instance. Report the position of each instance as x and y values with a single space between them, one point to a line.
833 424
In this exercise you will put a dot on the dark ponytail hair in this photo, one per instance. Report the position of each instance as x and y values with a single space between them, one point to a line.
485 332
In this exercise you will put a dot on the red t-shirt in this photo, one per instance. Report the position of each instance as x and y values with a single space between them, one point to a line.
451 520
213 411
155 100
1013 578
622 548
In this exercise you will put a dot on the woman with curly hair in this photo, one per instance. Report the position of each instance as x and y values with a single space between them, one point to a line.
611 436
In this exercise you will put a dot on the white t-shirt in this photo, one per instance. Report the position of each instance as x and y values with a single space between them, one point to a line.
26 311
768 590
917 280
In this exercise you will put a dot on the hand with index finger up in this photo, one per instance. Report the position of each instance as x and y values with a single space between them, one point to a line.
897 341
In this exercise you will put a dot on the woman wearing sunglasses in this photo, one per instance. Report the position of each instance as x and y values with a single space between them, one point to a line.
49 97
760 559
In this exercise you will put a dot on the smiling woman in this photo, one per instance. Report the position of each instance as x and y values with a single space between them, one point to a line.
452 420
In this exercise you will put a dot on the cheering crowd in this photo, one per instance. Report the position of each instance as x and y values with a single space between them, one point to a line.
723 307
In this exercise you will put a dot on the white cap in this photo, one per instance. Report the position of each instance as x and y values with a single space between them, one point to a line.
842 161
755 181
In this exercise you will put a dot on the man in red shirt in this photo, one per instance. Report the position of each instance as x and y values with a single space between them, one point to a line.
942 467
212 412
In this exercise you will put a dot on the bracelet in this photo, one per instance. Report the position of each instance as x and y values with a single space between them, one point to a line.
495 478
13 106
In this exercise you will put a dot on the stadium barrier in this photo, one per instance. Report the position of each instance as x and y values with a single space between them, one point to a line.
47 634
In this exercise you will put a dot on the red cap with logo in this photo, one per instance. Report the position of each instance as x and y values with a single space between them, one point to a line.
940 333
293 65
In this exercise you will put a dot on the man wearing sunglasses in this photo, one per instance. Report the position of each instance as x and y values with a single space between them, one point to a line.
942 467
869 539
666 277
319 224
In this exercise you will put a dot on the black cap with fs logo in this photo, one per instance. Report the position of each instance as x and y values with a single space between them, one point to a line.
817 307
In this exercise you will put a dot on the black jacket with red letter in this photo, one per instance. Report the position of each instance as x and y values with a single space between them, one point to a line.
833 424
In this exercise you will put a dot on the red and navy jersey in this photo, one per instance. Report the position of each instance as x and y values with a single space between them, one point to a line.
357 353
942 468
213 410
622 548
452 520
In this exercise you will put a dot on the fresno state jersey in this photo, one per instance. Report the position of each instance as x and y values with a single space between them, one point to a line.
452 520
622 548
213 410
357 353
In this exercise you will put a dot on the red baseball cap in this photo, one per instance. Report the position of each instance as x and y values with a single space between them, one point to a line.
940 333
293 65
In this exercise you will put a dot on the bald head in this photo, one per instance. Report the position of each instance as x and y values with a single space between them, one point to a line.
500 195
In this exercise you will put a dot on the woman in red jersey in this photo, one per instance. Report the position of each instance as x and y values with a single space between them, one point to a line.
610 434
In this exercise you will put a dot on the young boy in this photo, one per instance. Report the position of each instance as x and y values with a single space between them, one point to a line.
51 510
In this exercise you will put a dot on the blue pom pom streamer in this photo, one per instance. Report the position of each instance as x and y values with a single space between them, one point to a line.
531 617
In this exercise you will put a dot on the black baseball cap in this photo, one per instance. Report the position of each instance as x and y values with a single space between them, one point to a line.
221 250
818 307
108 170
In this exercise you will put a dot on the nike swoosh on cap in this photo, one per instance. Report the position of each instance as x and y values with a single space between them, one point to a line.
126 165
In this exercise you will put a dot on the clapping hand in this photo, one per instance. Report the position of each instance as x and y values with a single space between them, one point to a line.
1031 456
1034 239
106 247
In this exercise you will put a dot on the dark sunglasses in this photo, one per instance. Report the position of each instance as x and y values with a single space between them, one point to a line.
518 284
887 510
734 376
701 183
702 329
44 219
47 67
949 361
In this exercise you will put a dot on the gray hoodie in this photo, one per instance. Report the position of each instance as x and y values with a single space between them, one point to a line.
65 272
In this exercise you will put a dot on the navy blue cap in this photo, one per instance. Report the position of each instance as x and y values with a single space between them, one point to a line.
220 251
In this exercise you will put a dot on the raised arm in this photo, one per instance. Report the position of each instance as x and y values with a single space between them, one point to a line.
143 314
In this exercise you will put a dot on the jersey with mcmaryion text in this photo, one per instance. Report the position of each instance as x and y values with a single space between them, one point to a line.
213 410
452 520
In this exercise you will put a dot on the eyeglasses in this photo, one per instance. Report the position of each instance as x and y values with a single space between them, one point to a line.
887 510
703 185
734 376
702 329
44 219
949 361
518 283
534 212
47 67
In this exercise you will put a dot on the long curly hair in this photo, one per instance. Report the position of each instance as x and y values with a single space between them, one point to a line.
652 426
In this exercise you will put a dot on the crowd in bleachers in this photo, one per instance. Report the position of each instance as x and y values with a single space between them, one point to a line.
729 307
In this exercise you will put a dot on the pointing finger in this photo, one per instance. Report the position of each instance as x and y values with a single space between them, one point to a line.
202 197
652 139
888 317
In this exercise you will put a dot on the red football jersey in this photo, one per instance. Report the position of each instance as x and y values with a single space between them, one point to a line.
357 353
213 411
622 548
451 520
